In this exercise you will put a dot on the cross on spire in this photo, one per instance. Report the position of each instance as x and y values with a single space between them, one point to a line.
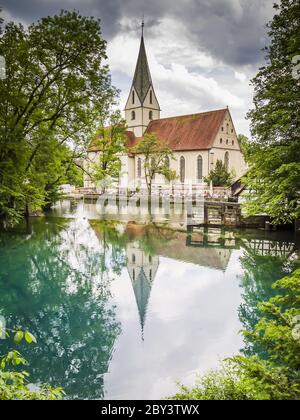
142 25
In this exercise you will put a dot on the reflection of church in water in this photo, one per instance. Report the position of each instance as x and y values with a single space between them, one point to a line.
208 247
142 267
142 270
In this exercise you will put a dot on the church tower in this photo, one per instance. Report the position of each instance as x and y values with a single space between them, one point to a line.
142 105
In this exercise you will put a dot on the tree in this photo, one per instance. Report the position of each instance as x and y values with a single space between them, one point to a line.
260 272
219 176
244 144
110 142
56 90
157 155
274 155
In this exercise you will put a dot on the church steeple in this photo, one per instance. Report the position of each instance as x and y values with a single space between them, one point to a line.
142 77
142 105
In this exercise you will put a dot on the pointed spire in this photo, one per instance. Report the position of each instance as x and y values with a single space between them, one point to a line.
142 78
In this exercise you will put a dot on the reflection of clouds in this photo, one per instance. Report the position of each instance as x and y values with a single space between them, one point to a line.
192 323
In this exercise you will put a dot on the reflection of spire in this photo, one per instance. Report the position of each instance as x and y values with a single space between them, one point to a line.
142 269
142 290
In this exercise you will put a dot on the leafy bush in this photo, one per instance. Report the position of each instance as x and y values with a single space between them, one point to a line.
253 378
14 382
220 176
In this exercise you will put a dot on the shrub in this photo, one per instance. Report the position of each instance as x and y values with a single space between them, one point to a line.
14 382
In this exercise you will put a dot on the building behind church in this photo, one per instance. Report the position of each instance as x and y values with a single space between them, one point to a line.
197 140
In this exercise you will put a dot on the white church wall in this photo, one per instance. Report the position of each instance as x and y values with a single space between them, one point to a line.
226 141
135 124
150 106
191 159
130 103
236 161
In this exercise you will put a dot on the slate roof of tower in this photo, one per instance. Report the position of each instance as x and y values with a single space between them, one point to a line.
142 78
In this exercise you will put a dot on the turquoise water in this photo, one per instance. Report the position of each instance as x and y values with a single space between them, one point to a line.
127 309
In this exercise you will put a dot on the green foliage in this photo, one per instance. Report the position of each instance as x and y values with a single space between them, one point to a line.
78 325
244 143
14 382
240 379
156 155
111 142
254 378
259 274
56 91
274 155
219 176
275 330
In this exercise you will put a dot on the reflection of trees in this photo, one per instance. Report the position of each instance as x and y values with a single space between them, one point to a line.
52 284
113 243
153 236
260 273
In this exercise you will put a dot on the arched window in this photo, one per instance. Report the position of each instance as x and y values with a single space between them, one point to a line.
139 167
226 161
221 141
182 169
150 96
133 258
150 115
227 128
133 98
150 259
133 274
132 115
199 168
150 275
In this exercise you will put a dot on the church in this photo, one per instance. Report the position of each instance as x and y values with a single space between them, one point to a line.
197 140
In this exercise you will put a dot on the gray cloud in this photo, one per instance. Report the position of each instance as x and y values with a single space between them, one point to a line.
202 53
232 31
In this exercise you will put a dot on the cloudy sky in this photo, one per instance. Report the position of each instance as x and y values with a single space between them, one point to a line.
202 53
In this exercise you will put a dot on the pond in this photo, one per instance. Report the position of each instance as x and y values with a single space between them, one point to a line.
125 308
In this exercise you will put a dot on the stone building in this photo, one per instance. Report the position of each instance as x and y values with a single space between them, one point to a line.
197 140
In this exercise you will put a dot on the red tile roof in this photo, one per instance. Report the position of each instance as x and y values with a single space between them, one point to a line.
182 133
130 142
188 132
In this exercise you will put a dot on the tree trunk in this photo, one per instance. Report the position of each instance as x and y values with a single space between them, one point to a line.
26 214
